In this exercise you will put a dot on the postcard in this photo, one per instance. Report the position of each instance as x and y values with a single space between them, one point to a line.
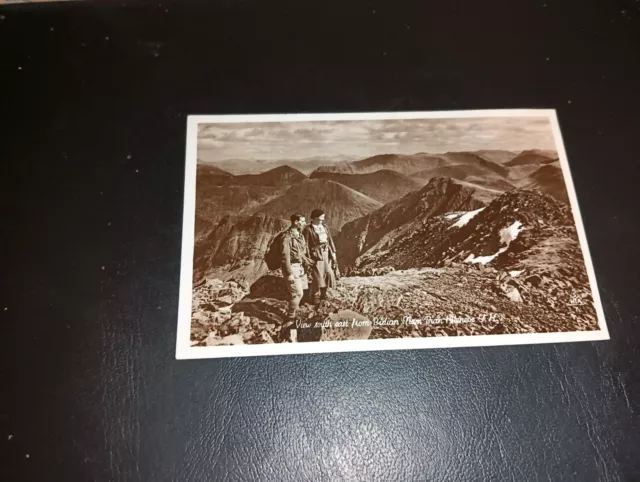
315 233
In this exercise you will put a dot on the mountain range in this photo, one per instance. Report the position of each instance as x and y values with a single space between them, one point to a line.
402 163
256 166
463 233
532 156
384 185
371 205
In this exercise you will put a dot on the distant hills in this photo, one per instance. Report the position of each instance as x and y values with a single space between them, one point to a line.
340 203
549 180
219 193
276 177
402 163
533 156
383 209
383 185
367 182
211 170
235 247
256 166
496 155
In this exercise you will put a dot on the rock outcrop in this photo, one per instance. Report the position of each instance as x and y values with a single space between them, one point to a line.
234 249
440 195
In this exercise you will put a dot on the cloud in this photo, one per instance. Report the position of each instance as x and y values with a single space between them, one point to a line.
360 139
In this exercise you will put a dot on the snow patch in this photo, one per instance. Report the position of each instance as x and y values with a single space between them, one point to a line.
510 233
483 259
507 235
465 218
452 215
515 274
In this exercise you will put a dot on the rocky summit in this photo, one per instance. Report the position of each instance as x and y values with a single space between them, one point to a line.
439 196
455 300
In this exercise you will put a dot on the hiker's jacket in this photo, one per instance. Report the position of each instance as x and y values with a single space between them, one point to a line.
294 250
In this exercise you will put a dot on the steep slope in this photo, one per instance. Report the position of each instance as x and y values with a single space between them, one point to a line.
383 185
549 180
235 247
277 177
484 177
405 164
454 171
499 234
502 233
211 170
471 158
459 165
340 203
482 193
533 156
213 202
219 193
496 155
209 175
518 175
440 195
407 246
497 184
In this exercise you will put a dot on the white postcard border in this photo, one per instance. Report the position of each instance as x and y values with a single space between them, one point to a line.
184 350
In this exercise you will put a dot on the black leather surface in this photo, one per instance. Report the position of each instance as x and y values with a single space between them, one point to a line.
91 245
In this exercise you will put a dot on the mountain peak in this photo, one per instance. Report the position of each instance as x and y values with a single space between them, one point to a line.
212 170
383 185
283 170
438 182
540 152
438 196
340 203
532 156
402 163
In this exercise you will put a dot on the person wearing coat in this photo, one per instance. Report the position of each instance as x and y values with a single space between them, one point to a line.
322 251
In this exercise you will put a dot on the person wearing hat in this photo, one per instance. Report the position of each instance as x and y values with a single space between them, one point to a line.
322 251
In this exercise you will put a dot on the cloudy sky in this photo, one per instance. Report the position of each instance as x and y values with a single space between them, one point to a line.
272 141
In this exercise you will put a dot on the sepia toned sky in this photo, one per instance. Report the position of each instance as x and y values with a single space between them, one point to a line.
272 141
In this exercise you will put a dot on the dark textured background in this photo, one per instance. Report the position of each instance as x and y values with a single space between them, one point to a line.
91 244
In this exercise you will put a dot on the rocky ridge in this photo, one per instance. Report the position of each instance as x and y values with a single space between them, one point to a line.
440 195
455 300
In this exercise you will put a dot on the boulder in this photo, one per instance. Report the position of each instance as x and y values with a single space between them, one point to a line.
512 293
533 280
214 340
225 300
269 286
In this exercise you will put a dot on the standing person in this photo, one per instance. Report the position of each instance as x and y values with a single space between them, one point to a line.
294 260
322 252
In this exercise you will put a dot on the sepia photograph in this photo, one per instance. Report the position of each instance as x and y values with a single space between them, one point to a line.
307 233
